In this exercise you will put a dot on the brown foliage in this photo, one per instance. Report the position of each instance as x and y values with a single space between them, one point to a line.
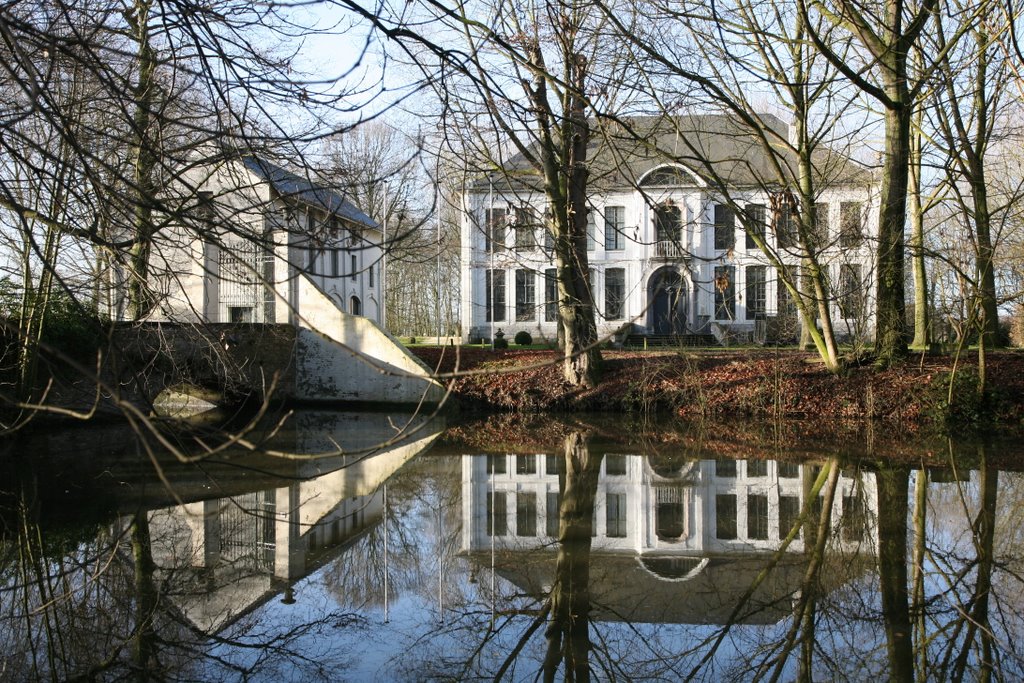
783 384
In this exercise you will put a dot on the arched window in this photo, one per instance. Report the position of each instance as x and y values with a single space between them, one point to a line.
355 307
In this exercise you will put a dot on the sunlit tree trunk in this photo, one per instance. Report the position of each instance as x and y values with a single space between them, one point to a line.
563 158
922 324
890 305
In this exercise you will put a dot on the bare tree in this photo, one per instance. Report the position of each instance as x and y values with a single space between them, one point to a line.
114 109
713 58
519 101
870 44
970 128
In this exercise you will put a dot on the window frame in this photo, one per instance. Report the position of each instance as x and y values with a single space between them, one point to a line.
614 227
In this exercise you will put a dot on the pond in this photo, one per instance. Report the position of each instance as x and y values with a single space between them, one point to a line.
340 546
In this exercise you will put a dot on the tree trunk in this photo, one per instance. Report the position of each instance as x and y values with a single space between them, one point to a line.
892 569
568 630
890 303
144 637
563 159
986 279
143 158
922 324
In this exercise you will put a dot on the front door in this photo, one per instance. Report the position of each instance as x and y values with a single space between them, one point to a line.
665 294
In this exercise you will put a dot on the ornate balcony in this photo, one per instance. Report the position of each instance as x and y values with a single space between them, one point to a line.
668 249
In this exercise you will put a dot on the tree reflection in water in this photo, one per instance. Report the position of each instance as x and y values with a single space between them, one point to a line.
568 608
584 561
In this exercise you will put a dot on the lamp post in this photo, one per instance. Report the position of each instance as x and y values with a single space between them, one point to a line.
384 264
437 278
489 240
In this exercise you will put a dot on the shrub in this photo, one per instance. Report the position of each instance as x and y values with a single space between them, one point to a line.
500 342
412 340
523 338
968 406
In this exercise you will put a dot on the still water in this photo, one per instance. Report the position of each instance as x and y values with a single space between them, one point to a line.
339 546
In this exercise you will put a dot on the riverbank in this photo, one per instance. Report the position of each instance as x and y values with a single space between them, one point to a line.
781 384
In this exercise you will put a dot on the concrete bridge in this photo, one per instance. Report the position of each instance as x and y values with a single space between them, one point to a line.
224 363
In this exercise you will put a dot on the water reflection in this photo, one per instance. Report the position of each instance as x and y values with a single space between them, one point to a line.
647 540
173 592
572 559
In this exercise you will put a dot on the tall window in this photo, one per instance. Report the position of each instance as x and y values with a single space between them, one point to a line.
615 515
755 223
757 517
526 225
615 465
355 306
526 295
725 227
789 513
756 279
757 468
819 238
784 304
614 225
545 226
725 292
725 516
668 223
854 519
526 513
789 470
851 224
550 296
554 519
591 229
725 468
494 229
353 268
554 465
495 295
497 521
369 276
785 226
311 265
851 299
335 262
614 293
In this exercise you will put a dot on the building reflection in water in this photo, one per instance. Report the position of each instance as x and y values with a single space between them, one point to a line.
221 558
673 541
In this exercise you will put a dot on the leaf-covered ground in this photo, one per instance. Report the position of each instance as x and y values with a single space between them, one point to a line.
777 383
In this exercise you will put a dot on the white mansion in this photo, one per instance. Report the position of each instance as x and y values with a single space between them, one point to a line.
270 246
666 251
271 230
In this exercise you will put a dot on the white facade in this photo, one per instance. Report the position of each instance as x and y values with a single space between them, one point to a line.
266 228
281 250
665 255
705 508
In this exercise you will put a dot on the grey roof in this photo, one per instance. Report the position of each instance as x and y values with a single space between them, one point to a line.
623 588
718 148
293 186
